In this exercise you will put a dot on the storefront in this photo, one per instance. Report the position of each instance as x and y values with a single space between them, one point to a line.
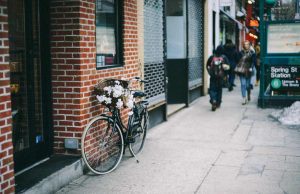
228 28
173 62
185 50
232 29
29 81
52 55
26 120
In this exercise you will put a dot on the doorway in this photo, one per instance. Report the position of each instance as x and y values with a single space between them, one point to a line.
30 81
177 66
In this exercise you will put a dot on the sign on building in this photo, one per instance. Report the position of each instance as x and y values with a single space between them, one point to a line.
283 38
285 78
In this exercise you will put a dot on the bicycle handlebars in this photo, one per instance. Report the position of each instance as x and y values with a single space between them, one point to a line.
140 80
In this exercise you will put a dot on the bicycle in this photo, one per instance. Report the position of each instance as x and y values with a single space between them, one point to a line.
105 138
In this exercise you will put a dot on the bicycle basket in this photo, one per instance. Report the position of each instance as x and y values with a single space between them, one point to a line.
112 92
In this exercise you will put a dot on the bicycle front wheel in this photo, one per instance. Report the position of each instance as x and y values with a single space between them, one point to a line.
139 135
102 145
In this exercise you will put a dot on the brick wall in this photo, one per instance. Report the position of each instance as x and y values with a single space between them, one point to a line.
74 71
140 20
6 146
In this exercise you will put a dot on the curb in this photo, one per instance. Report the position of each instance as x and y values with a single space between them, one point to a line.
59 179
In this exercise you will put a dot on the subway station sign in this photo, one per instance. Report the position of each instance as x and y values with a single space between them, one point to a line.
285 77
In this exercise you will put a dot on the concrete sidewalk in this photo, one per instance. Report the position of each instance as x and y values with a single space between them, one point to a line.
237 149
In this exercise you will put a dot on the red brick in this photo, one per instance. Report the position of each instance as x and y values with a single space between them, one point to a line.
4 185
3 169
62 134
12 182
6 145
8 175
4 99
5 130
3 154
65 111
4 67
1 106
9 190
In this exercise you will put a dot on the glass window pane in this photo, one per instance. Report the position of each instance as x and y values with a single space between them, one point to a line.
283 38
285 10
18 75
174 8
106 32
38 122
176 42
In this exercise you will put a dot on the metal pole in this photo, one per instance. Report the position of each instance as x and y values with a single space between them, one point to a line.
297 14
261 100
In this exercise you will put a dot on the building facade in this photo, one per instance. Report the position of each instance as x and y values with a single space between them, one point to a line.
53 53
50 61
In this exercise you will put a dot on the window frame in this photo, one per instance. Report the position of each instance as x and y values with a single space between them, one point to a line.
119 10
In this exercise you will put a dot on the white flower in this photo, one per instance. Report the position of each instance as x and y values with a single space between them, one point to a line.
107 100
100 98
130 103
117 82
119 104
130 113
108 89
118 91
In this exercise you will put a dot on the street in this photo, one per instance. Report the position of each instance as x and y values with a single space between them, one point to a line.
237 149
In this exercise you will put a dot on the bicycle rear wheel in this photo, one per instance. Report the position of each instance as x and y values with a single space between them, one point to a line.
139 135
102 145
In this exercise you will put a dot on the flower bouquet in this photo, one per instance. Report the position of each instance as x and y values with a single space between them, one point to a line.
114 93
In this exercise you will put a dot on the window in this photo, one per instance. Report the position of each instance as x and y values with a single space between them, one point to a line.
176 22
283 38
286 10
108 33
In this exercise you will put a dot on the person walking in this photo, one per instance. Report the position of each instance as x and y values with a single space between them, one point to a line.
244 69
216 66
232 54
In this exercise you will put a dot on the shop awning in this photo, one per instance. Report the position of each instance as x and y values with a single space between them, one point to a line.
240 25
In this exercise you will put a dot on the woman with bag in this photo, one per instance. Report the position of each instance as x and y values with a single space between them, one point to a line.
244 68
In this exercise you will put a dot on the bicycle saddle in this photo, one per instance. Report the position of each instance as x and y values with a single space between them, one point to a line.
138 94
145 102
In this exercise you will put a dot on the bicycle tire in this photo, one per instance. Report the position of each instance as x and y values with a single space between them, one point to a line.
139 140
102 146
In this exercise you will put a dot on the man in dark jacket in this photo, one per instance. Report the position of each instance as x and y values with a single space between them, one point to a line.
231 53
215 67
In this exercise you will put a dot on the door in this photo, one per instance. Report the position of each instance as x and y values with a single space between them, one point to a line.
29 70
177 66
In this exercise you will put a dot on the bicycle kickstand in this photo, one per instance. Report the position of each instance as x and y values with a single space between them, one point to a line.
137 160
